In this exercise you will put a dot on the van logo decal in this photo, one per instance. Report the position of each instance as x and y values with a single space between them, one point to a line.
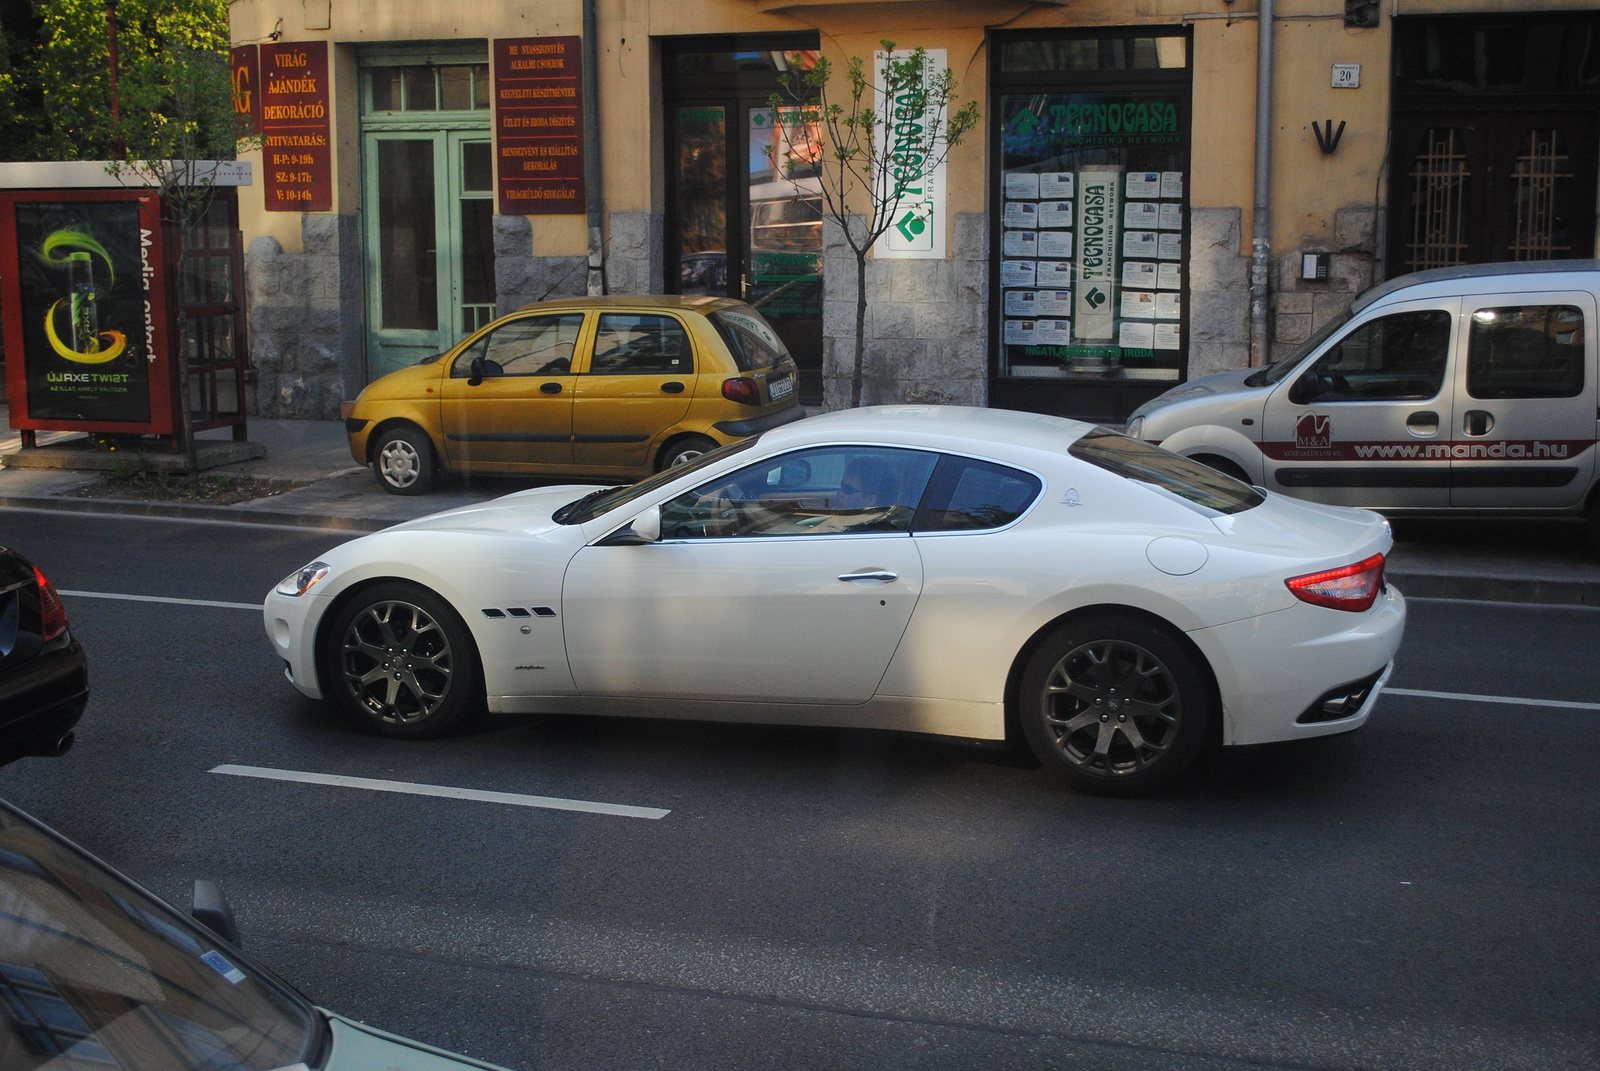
1313 432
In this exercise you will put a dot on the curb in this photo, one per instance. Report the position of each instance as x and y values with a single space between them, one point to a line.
1497 589
1412 585
181 511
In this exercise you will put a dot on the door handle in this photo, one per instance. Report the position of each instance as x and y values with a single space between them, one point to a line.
1477 422
672 388
1425 422
550 388
882 575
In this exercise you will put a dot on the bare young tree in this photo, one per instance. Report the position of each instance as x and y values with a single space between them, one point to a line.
864 160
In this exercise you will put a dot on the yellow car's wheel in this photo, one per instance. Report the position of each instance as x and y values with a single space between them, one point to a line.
403 460
684 449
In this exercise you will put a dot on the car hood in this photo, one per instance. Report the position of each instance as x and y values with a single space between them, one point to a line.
1222 383
527 512
358 1047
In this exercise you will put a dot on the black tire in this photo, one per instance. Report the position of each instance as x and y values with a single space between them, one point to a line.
398 660
682 449
403 460
1076 713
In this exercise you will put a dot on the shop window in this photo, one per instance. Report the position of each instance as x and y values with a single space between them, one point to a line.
1091 217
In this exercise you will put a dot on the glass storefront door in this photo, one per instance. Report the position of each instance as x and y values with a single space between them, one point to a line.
1090 220
737 226
428 197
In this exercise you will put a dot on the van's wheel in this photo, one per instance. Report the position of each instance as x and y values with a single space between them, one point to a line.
1115 704
681 451
1222 465
403 460
401 662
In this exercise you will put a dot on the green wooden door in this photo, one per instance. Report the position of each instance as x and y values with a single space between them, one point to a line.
428 206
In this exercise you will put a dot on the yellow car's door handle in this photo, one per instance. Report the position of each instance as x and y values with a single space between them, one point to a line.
550 388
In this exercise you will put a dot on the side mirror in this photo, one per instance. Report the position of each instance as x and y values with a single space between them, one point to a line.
475 372
645 528
1304 389
211 910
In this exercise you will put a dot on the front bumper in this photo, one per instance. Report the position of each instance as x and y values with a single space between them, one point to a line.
1271 669
42 700
291 624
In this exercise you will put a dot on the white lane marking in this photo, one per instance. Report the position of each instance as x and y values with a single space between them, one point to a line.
256 606
512 799
1462 697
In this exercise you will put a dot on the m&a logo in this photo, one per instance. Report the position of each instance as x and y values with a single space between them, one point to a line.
1313 432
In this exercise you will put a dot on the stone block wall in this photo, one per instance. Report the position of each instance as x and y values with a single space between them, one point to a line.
1219 292
636 253
926 331
306 333
1301 306
522 276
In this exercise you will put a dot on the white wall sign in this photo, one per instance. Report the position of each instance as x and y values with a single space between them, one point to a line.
1347 76
916 208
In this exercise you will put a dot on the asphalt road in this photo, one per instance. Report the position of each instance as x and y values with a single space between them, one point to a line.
1420 894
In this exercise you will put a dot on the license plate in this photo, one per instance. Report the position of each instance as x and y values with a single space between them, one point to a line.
780 388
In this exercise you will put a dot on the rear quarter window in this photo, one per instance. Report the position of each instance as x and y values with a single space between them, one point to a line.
967 495
748 336
1165 472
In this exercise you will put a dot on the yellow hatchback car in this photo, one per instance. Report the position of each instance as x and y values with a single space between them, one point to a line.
608 387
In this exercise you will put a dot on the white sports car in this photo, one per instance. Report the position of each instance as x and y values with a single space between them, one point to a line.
972 573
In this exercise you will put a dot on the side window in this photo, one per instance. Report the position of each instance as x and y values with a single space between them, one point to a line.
1527 351
638 344
531 346
966 495
1392 358
825 491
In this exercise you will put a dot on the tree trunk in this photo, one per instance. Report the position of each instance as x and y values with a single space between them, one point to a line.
861 327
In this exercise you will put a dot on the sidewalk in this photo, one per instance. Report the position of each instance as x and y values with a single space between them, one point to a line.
1503 561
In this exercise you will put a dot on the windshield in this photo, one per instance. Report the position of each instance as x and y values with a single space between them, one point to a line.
590 506
1165 472
95 973
1275 371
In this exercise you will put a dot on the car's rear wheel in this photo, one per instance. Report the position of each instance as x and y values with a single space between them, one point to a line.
683 450
1117 705
400 661
403 460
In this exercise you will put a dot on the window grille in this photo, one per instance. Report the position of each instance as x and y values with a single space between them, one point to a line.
1541 166
1438 201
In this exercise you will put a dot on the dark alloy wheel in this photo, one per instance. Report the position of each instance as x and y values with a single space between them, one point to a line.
1117 705
398 659
403 461
681 451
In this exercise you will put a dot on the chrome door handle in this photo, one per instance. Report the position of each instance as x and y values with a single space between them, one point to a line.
879 574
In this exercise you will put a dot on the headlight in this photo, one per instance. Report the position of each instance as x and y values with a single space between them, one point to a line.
303 580
1135 427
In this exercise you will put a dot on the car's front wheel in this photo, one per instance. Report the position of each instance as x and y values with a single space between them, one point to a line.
1116 704
683 450
401 662
403 460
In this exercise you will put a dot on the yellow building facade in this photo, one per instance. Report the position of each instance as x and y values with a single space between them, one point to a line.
1094 232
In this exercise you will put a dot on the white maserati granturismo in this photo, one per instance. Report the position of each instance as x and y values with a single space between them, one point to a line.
970 573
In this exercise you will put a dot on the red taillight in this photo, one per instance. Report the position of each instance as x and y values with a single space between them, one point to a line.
50 609
741 389
1350 587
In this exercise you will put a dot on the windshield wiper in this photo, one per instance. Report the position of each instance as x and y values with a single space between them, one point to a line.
560 516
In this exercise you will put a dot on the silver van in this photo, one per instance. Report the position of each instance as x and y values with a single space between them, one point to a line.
1457 389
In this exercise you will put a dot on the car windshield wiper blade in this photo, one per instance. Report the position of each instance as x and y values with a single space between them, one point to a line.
560 516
